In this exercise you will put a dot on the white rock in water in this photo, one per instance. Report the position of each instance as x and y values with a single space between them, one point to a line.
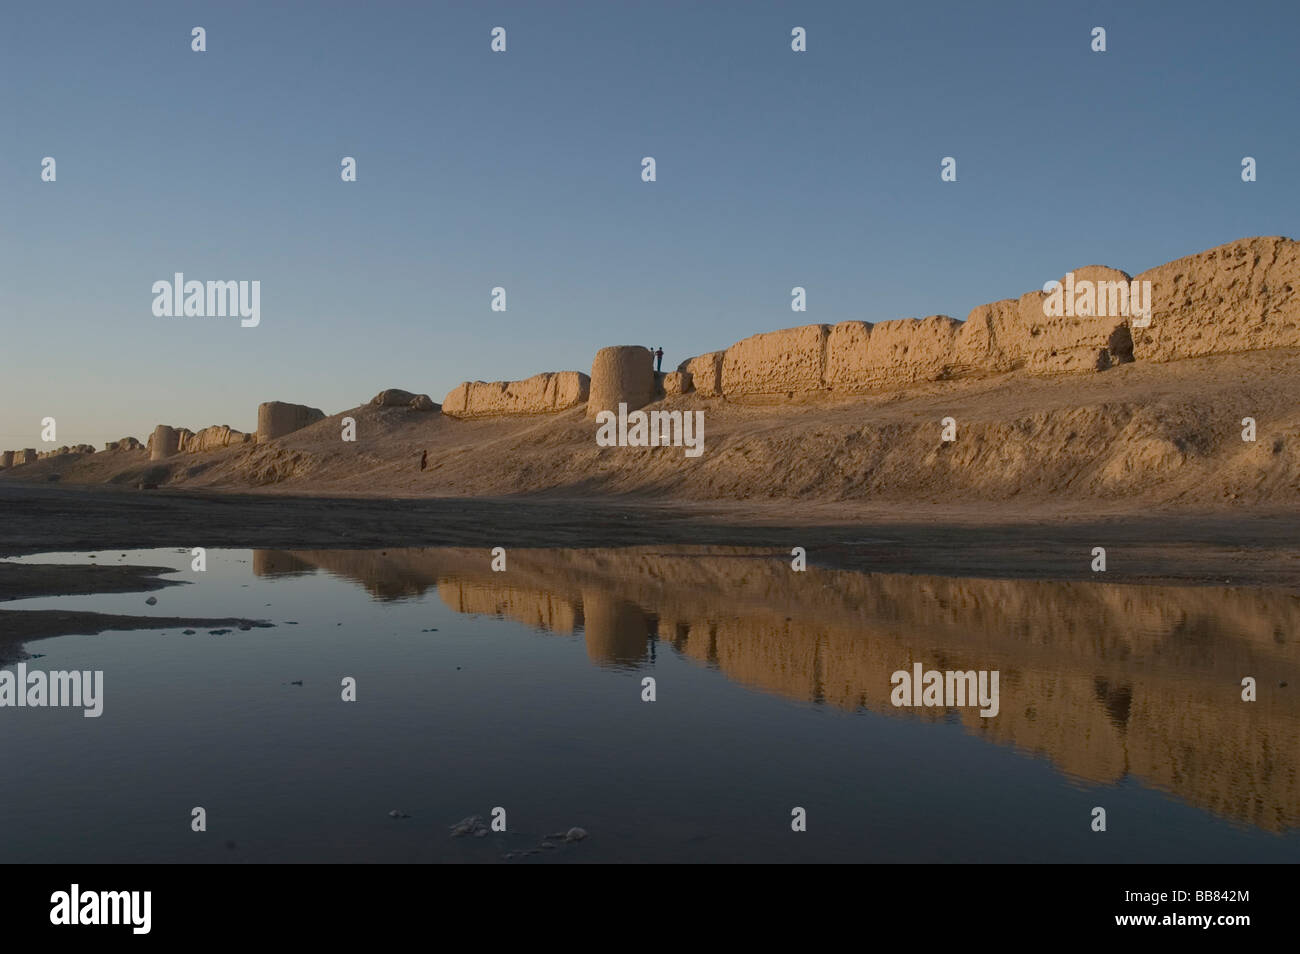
575 834
467 825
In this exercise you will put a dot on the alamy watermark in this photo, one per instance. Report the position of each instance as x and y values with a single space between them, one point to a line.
74 907
651 429
57 689
182 299
946 689
1088 299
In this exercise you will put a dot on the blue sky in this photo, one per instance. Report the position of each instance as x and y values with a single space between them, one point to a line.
522 169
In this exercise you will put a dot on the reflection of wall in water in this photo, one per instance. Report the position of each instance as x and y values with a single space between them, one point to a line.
532 607
400 573
615 631
280 563
1104 679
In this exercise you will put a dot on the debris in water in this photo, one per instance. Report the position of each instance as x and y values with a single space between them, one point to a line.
473 825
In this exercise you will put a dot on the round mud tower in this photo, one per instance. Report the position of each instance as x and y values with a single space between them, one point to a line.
623 373
276 418
165 443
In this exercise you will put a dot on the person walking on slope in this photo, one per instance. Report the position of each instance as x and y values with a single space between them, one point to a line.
424 459
659 359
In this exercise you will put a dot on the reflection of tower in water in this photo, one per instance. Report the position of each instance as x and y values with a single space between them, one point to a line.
617 632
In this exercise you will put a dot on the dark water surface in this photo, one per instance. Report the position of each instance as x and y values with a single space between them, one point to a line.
523 690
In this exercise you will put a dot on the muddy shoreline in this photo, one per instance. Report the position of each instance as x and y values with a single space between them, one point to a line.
19 627
980 540
20 581
30 581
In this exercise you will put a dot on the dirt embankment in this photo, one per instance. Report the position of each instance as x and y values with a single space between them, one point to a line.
1136 438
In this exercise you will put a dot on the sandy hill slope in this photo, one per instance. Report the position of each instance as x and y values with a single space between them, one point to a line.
1137 435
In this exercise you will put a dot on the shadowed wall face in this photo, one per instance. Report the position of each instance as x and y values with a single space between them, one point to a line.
165 442
276 418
